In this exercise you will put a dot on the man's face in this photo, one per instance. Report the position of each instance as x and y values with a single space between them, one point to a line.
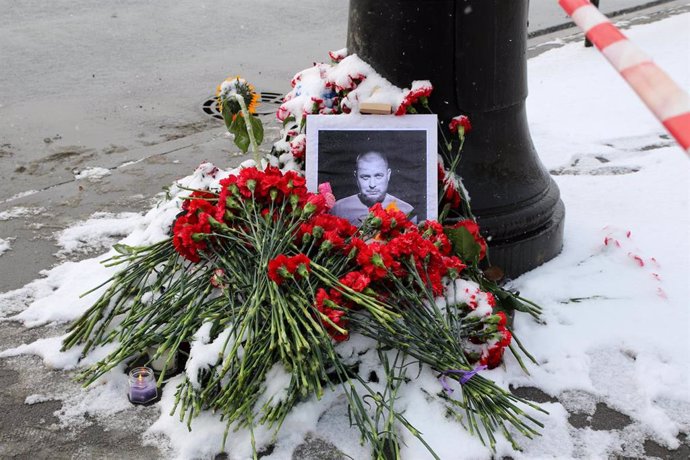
372 178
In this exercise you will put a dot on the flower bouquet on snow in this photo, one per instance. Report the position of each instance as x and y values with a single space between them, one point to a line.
266 285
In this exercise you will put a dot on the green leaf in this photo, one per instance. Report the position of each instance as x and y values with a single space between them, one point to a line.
288 120
464 244
123 249
258 129
227 115
509 302
239 129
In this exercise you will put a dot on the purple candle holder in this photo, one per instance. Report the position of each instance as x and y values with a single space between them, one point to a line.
142 385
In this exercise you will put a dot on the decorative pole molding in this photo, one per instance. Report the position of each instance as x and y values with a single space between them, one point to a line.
669 103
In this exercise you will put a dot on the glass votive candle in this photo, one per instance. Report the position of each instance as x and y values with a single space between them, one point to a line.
142 385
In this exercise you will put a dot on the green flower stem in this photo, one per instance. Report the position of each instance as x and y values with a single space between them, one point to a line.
250 130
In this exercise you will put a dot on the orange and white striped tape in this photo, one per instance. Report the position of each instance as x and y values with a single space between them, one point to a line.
663 96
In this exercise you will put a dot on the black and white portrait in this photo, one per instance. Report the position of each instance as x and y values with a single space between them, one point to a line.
375 159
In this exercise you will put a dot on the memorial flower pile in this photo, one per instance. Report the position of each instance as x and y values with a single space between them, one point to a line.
268 289
340 87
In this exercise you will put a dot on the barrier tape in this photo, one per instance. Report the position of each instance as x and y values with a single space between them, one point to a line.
669 103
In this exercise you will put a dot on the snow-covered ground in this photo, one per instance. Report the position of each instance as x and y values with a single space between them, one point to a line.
615 300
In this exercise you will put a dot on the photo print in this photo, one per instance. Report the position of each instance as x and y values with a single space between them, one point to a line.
369 159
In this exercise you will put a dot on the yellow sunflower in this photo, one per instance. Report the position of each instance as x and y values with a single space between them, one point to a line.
237 85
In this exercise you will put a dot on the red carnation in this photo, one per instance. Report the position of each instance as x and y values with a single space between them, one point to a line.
420 91
493 356
356 281
298 146
389 222
325 228
316 204
325 304
433 231
283 267
449 192
197 194
277 270
460 124
339 55
189 229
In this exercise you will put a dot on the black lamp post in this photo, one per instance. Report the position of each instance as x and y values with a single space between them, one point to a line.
474 53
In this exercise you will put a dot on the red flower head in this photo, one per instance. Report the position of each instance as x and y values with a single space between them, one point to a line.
375 260
419 92
433 231
460 124
298 146
449 192
227 190
328 231
339 55
453 266
356 281
294 183
190 229
248 180
196 194
493 356
325 304
316 204
327 192
389 222
277 269
283 267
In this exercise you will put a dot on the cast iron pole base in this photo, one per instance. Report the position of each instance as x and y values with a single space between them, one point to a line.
474 53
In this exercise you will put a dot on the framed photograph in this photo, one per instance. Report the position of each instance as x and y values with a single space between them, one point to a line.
371 159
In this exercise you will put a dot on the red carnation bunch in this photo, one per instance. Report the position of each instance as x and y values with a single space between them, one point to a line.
269 193
396 248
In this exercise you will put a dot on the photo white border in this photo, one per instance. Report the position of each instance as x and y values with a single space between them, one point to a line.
359 122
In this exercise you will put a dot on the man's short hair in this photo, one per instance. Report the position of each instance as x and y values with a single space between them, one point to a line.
371 153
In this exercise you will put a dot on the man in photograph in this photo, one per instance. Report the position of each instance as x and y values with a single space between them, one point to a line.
372 174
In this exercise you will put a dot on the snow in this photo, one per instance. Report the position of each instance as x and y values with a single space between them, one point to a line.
19 195
20 211
615 300
4 246
203 354
93 174
314 87
37 399
100 231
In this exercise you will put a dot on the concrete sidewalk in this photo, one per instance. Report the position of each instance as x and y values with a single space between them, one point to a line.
93 86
